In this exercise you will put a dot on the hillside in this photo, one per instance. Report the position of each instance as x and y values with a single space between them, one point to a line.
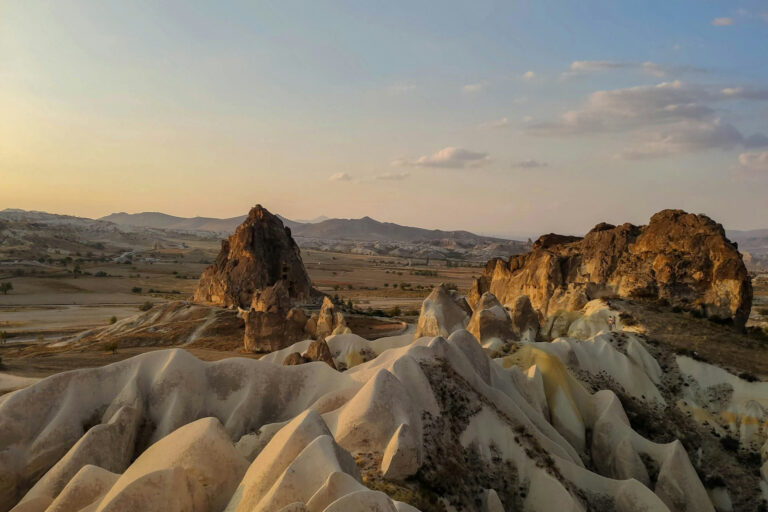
159 220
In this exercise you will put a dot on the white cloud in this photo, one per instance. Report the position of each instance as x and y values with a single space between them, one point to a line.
666 119
685 137
499 123
340 176
594 65
474 88
529 164
630 107
754 162
450 158
582 67
393 176
748 93
722 22
529 75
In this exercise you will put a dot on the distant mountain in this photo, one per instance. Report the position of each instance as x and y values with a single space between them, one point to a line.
365 229
159 220
368 229
754 241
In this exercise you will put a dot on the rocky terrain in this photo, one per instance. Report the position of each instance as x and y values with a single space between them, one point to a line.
575 396
679 258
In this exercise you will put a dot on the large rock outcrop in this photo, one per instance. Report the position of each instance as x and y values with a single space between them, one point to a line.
682 258
260 253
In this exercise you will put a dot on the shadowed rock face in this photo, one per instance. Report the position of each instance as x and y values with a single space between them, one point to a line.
260 253
679 257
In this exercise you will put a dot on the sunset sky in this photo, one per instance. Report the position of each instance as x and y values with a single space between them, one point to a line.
514 117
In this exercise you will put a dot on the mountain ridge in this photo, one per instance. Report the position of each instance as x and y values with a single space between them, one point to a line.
362 229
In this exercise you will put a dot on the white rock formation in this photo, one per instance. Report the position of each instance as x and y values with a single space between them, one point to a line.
543 428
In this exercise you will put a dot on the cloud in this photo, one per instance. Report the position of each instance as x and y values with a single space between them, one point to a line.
748 93
722 22
754 162
499 123
340 176
449 158
393 176
665 119
685 137
583 67
529 75
627 108
529 164
473 88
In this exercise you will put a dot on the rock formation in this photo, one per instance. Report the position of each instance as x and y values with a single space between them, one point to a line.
166 431
329 321
260 272
260 253
490 321
681 258
317 351
442 313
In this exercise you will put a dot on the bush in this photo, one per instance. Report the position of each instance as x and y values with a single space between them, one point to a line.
6 287
111 347
112 320
101 273
136 289
763 311
395 311
748 377
146 306
451 286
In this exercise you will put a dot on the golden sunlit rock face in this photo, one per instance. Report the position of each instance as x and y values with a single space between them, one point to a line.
682 259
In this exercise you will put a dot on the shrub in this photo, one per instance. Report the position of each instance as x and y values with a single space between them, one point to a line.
748 377
101 273
6 287
112 320
146 306
136 289
395 311
111 347
451 286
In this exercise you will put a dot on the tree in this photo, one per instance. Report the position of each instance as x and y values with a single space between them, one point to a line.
3 337
6 287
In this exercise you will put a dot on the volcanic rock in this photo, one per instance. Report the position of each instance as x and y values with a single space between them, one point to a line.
490 320
260 253
680 258
329 321
442 313
318 351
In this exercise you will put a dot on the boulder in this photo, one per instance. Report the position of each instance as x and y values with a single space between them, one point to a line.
679 258
293 359
442 313
525 319
329 321
490 320
318 351
260 253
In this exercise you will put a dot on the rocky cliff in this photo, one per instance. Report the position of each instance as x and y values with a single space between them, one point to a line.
260 253
681 258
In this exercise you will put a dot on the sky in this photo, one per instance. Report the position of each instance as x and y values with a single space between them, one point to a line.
500 117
